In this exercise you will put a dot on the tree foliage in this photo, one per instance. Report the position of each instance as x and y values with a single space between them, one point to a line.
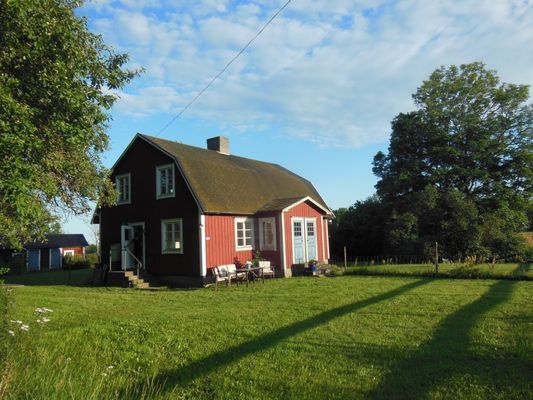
458 169
55 77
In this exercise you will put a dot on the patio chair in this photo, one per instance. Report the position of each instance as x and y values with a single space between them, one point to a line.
221 275
232 272
267 270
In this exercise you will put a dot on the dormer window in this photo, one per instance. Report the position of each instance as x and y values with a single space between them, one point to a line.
123 185
165 181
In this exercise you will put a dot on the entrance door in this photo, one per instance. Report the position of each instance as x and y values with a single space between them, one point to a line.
310 225
304 241
298 250
132 238
126 235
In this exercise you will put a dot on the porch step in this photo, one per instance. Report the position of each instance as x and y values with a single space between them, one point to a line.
129 279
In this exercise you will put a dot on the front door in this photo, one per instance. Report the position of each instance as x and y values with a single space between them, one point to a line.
126 234
310 225
304 242
132 238
298 250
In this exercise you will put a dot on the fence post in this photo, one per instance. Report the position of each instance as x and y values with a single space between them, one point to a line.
345 261
436 257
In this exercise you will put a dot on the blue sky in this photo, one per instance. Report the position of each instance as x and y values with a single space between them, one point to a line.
315 92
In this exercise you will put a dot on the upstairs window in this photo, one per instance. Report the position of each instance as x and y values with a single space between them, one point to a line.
165 181
267 234
244 233
172 236
123 185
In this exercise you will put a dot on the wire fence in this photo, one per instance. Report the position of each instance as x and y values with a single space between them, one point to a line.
387 259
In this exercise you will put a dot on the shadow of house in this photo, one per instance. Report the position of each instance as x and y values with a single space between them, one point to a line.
442 359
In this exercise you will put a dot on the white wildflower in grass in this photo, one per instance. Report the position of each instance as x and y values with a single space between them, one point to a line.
25 328
44 319
16 322
39 321
43 310
12 333
110 367
104 373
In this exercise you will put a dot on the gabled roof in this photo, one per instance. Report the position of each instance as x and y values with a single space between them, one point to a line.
227 184
60 240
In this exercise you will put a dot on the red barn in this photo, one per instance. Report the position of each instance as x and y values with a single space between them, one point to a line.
182 210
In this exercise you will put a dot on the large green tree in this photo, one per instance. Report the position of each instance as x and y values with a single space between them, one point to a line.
460 162
55 82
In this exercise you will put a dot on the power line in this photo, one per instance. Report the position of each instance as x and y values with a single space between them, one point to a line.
224 69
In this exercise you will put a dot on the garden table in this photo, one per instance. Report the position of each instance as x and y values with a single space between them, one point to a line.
252 273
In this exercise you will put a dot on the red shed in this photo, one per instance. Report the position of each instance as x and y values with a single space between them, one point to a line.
182 210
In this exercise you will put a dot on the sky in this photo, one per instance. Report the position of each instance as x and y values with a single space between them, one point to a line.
315 92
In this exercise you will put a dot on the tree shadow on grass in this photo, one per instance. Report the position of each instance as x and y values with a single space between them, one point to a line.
188 373
451 354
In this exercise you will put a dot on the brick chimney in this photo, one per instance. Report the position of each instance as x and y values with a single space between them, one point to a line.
219 143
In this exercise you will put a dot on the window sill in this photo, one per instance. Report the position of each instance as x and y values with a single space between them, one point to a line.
244 248
119 203
165 196
171 252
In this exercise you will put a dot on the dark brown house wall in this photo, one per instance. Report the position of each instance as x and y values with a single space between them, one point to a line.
141 160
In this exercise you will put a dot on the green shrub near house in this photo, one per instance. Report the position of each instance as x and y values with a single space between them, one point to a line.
75 262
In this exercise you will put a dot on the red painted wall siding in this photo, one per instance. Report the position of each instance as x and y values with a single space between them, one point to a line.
304 210
220 241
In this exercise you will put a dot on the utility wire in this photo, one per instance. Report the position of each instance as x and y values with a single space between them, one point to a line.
224 69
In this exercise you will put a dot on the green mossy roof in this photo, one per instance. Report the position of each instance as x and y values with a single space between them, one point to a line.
228 184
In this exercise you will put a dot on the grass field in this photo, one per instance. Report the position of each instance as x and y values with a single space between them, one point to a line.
482 271
302 338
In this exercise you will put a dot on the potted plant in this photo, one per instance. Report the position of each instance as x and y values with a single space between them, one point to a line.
312 266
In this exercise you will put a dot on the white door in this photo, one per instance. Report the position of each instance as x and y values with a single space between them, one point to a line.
298 251
126 235
310 225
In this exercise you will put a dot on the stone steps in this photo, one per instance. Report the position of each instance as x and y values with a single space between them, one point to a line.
129 279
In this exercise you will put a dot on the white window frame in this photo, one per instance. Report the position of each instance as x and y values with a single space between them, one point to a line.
164 223
117 186
69 253
158 193
262 244
244 221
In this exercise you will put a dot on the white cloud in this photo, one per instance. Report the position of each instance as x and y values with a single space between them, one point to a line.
334 73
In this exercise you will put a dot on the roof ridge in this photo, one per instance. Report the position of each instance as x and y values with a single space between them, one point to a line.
151 138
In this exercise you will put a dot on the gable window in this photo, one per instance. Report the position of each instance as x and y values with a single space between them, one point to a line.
267 234
172 236
244 233
123 185
165 181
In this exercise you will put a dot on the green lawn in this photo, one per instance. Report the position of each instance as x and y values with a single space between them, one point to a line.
486 271
77 277
302 338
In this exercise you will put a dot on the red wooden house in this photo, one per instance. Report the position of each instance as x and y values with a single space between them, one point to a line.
183 210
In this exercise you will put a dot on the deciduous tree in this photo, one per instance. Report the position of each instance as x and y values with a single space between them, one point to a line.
55 82
462 159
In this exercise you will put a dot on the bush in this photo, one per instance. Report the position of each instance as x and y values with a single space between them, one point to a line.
75 262
92 259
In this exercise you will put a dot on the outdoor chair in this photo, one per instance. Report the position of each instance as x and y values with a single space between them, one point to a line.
221 275
232 272
267 270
